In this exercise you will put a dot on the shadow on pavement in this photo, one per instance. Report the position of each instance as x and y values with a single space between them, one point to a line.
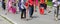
58 18
31 18
35 16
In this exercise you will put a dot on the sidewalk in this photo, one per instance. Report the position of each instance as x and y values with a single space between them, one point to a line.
38 19
3 21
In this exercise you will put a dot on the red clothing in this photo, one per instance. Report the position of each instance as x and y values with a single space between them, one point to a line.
26 4
42 1
41 11
31 2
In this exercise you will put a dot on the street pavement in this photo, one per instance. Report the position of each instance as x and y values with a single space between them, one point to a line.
37 18
3 21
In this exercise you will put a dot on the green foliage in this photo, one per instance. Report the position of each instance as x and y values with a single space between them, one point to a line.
49 3
49 0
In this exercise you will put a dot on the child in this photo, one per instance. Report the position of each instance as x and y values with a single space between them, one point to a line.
43 3
41 7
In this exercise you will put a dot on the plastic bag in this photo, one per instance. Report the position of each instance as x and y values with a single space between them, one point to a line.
41 10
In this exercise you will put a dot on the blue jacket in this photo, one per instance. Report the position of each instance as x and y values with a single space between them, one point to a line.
19 4
59 0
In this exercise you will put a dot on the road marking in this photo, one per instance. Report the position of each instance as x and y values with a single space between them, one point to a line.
9 20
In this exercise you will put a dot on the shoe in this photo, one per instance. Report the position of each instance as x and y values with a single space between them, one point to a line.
31 17
23 17
49 11
56 18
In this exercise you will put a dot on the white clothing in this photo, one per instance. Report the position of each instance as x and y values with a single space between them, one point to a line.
22 4
54 0
58 3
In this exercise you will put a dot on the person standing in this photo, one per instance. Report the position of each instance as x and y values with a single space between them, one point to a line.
27 9
3 4
42 6
56 4
19 5
23 9
43 3
31 8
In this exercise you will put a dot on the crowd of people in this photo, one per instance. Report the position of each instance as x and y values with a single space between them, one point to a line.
28 6
25 6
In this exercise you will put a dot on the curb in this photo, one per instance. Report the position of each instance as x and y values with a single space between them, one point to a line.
9 20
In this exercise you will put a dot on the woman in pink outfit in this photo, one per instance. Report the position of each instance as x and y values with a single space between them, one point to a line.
10 7
9 3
